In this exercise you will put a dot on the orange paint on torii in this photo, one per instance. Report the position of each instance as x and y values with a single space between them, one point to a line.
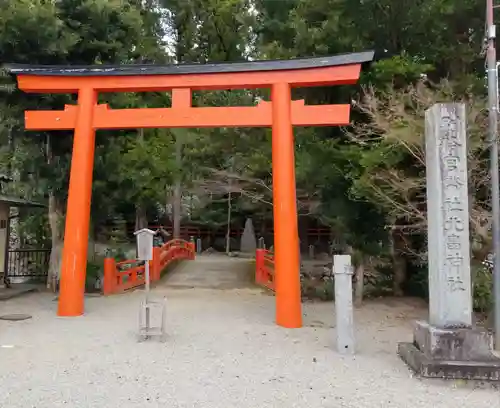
179 117
281 114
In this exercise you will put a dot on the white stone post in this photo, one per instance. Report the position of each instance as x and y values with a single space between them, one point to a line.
448 216
311 251
343 303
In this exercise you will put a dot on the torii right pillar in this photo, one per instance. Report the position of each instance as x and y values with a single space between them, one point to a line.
286 238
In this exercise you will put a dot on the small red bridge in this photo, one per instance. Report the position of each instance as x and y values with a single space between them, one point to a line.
129 274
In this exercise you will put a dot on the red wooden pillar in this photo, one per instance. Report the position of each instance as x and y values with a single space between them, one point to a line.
109 276
156 263
286 240
259 265
152 272
74 260
192 249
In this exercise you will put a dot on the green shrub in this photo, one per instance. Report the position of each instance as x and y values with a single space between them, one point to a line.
482 288
317 289
118 254
418 282
94 272
416 285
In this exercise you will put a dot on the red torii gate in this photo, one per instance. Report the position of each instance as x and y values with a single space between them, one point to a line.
281 114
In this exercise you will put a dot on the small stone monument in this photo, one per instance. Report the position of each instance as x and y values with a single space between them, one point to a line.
449 346
248 241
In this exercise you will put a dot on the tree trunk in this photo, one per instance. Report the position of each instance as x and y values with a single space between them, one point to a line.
56 219
177 189
398 263
169 220
141 218
360 283
228 231
229 208
177 209
92 242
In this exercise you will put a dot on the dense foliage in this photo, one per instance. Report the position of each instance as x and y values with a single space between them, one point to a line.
365 182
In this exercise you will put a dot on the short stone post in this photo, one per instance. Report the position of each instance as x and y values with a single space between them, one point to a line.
261 243
198 246
192 248
311 251
343 272
448 346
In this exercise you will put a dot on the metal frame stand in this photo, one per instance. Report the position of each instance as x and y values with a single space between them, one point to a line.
147 310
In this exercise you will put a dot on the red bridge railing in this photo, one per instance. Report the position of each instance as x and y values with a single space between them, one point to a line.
264 268
124 275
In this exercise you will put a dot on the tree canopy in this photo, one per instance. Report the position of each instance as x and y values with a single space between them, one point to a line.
366 182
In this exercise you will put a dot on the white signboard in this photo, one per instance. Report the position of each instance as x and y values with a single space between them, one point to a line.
144 244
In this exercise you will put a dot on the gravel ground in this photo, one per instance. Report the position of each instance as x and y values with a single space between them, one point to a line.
223 351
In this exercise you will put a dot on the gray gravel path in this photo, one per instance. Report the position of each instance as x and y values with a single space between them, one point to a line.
224 351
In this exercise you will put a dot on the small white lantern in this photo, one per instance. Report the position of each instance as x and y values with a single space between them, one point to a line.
145 244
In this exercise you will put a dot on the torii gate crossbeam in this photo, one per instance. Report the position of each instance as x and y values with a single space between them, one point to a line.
281 114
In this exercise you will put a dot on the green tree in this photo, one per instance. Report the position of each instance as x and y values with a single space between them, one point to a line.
76 32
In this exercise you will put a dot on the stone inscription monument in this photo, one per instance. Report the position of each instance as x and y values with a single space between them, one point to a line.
448 345
448 214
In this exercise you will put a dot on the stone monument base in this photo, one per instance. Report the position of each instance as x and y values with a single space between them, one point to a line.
452 353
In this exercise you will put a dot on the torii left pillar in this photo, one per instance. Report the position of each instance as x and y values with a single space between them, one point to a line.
76 232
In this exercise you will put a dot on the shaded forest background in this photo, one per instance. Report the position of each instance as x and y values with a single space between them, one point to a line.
365 182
